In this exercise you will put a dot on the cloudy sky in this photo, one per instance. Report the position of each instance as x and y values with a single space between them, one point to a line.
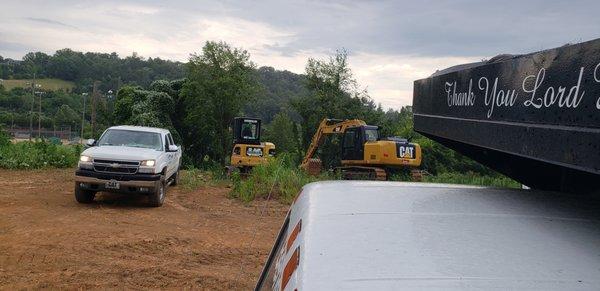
391 43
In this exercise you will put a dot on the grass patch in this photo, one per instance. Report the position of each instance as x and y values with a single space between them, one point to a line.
38 155
47 84
280 177
473 179
285 180
193 179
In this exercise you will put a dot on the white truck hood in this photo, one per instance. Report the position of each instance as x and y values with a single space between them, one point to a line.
121 153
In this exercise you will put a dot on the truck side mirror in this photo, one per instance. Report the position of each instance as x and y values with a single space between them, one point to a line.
173 148
90 142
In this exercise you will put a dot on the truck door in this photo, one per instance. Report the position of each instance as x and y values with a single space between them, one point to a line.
352 144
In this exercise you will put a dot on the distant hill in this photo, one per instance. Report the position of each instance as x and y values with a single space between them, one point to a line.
279 87
47 84
76 71
84 68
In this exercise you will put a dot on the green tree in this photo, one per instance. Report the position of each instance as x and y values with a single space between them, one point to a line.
220 81
334 93
36 62
124 104
282 133
66 116
135 106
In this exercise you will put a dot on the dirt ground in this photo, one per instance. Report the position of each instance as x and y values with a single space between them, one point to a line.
198 240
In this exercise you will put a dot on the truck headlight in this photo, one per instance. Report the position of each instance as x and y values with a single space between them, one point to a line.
85 159
148 163
85 162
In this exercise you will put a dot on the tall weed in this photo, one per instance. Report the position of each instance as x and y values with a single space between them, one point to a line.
279 178
470 178
37 155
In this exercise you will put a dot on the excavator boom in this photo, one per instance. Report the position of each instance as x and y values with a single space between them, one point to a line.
327 126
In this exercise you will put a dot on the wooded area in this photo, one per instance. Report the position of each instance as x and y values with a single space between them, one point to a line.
197 101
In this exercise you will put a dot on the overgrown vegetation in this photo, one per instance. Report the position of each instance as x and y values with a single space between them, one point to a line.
280 178
192 179
37 155
471 178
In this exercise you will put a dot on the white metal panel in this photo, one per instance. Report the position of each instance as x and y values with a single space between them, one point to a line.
390 236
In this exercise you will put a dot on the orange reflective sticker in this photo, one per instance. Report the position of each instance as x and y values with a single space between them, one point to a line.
290 267
293 235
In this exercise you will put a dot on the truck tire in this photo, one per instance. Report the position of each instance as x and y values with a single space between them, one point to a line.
84 196
157 197
176 178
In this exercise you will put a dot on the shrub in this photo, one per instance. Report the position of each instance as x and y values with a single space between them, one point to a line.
193 178
471 178
280 178
4 137
38 154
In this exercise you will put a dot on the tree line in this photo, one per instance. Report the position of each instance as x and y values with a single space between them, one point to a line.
198 100
85 68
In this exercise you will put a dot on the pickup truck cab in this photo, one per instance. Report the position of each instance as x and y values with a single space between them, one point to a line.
128 159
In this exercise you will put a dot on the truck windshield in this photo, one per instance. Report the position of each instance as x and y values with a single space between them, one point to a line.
130 138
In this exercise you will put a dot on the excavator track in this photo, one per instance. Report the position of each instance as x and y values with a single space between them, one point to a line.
363 173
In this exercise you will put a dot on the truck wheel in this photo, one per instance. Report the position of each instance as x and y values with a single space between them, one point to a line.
157 197
83 196
176 178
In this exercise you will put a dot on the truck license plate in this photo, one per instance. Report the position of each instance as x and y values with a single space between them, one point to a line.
112 184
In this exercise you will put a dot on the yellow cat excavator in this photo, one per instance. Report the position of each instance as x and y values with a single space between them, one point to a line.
248 150
364 154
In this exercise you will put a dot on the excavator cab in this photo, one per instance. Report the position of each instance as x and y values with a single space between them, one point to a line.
355 139
248 151
246 130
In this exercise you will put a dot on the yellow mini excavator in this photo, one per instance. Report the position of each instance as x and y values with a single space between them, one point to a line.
248 150
364 154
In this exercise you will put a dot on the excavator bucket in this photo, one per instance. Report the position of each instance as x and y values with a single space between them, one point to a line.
313 167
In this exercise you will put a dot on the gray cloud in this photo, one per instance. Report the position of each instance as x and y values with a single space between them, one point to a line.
391 43
10 49
46 21
431 28
421 28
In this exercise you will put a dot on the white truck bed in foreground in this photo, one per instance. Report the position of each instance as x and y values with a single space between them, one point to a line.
391 236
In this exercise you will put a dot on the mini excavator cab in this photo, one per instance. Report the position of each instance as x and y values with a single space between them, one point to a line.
248 150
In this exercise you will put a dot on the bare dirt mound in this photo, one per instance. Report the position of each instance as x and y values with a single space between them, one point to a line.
197 240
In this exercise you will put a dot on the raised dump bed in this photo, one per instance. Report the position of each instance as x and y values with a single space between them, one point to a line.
534 117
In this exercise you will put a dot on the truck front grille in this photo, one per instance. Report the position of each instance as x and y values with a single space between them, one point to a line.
117 167
117 162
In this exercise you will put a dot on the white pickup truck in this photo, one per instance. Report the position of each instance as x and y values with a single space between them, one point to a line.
128 159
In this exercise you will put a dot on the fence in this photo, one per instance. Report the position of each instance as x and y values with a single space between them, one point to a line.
64 134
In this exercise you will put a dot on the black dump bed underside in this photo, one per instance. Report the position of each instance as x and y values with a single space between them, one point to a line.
534 117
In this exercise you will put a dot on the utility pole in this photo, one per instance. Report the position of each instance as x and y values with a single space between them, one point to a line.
32 104
40 115
111 106
94 101
82 116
